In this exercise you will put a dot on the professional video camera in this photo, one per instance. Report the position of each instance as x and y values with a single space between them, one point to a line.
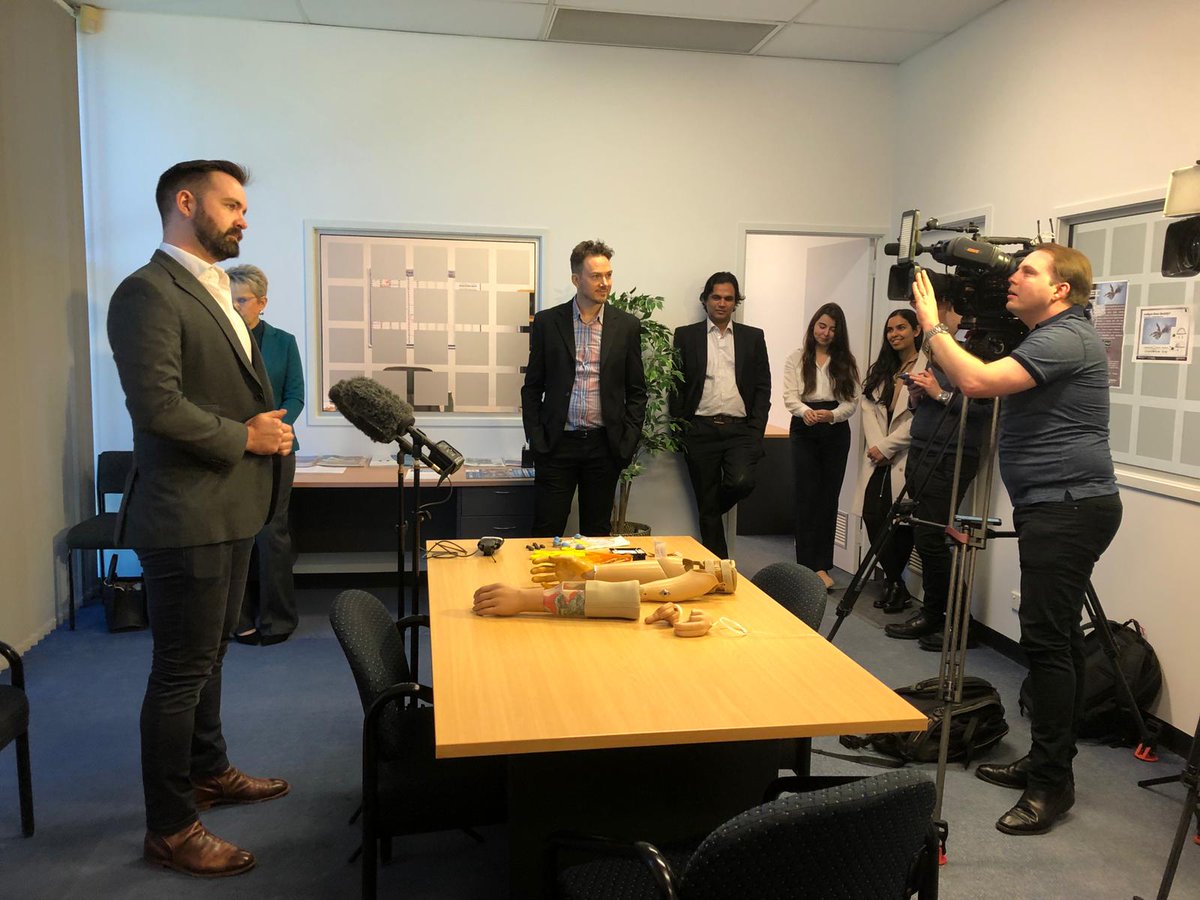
978 287
1181 248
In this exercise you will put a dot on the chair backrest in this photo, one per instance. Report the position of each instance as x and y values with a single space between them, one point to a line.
856 840
375 651
112 471
796 588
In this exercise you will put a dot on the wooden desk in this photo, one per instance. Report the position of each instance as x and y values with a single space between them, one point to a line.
537 683
620 728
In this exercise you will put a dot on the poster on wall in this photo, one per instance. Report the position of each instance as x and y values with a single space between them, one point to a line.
1164 334
1108 315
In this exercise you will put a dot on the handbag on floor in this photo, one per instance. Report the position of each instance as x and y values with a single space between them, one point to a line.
124 601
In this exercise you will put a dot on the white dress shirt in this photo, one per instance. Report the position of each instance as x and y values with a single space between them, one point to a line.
216 282
720 395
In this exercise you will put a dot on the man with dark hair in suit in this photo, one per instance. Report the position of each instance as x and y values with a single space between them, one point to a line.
206 435
584 398
724 399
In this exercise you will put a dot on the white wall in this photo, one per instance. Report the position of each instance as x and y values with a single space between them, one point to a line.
1037 106
661 154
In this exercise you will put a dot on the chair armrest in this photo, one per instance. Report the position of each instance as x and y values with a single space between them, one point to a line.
391 695
14 663
412 622
642 851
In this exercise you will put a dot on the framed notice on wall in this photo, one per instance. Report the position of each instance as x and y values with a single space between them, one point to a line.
440 319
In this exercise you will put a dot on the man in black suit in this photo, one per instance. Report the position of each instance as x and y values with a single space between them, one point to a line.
584 398
206 437
724 398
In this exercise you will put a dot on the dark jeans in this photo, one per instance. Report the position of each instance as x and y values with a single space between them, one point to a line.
721 460
580 460
1059 544
271 604
934 505
819 455
193 595
877 503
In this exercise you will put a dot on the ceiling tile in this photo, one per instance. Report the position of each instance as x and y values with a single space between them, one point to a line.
943 16
481 18
850 44
255 10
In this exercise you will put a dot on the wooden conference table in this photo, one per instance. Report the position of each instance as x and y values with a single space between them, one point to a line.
568 699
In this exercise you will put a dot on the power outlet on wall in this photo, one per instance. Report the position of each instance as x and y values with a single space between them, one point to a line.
1016 601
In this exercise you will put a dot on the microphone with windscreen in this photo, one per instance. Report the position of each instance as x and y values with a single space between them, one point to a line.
383 417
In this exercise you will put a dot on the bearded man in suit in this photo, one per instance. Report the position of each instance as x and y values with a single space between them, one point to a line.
724 399
206 440
584 398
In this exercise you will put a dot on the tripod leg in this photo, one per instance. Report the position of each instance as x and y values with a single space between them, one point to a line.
1145 749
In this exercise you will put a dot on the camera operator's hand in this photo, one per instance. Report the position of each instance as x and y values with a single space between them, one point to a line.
923 384
924 303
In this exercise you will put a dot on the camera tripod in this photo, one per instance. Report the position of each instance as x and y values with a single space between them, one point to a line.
1191 806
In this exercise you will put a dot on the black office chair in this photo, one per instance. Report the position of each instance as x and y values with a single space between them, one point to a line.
14 726
405 789
99 532
798 590
862 839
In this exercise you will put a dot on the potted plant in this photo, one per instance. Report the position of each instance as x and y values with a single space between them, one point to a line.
660 432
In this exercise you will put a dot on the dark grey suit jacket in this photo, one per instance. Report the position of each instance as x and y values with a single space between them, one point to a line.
550 375
752 371
189 388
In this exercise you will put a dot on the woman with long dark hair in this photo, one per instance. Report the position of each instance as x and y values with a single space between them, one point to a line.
886 421
820 389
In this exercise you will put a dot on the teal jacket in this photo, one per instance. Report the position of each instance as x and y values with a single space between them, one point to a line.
281 357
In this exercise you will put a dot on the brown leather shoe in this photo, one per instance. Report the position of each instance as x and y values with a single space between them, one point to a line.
235 786
197 851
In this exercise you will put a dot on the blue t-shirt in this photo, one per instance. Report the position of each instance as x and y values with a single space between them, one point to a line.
1054 436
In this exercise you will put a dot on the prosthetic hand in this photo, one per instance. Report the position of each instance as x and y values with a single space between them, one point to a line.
579 599
670 576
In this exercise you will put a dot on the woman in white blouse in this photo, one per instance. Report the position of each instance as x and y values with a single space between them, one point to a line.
886 419
820 389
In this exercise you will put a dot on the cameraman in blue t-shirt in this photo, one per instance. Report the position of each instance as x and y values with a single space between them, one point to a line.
1057 467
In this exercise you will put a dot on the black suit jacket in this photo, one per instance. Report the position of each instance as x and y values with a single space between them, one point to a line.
752 371
189 388
550 375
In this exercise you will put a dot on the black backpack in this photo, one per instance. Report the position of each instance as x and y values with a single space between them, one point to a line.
978 724
1103 713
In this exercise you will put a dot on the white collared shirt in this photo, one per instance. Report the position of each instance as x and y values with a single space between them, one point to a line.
216 282
720 396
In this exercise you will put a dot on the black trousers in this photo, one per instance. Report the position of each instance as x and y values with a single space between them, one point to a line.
193 595
271 604
721 460
934 505
877 502
1058 544
579 461
819 459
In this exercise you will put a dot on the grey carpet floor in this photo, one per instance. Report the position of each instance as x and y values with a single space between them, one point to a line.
292 711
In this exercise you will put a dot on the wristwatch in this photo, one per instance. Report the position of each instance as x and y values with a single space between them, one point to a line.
944 397
939 328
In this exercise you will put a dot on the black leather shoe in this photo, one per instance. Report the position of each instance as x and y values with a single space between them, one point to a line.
1037 810
921 624
252 638
900 600
269 640
933 641
1010 775
889 591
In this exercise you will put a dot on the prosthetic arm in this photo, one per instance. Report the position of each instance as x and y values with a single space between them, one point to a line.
661 578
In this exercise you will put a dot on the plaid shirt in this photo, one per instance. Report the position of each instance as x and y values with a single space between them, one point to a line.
583 409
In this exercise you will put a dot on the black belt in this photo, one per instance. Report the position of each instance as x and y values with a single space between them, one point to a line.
583 433
722 419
